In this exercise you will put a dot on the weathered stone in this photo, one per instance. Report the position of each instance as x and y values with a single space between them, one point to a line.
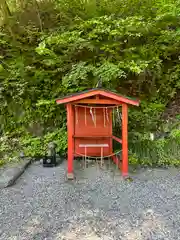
10 174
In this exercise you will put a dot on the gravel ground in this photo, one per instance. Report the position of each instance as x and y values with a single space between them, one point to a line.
97 205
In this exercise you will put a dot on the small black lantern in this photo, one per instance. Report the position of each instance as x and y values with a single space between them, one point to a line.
50 159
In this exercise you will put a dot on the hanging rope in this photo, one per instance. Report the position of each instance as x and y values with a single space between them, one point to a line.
76 113
85 116
95 116
92 115
107 114
92 157
113 118
104 115
119 115
85 106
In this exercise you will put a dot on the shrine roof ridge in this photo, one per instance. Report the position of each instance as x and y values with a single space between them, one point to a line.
89 92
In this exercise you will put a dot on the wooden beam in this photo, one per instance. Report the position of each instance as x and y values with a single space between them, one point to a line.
84 136
124 140
117 139
70 127
98 101
97 96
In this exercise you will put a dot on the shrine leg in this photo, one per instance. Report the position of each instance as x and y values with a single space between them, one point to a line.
101 157
85 157
124 140
70 174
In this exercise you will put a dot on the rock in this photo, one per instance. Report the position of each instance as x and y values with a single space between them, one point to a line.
9 176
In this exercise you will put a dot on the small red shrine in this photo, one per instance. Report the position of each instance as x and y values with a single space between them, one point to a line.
89 125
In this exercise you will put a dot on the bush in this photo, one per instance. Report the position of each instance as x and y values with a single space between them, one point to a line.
2 162
51 48
37 146
161 152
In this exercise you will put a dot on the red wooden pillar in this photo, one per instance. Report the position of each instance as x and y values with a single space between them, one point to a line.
124 140
70 127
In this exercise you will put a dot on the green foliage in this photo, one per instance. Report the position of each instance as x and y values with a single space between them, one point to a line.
33 146
37 146
59 137
161 152
175 134
133 160
51 48
147 118
2 162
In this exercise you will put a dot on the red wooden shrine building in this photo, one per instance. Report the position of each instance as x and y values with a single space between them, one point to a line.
89 125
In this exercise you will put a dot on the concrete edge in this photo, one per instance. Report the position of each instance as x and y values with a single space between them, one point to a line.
18 174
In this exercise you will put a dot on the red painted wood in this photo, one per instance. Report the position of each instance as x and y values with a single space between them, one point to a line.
95 92
111 132
98 101
70 128
124 140
83 130
84 126
97 96
81 136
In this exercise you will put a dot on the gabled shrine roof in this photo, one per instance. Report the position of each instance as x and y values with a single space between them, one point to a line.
97 91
